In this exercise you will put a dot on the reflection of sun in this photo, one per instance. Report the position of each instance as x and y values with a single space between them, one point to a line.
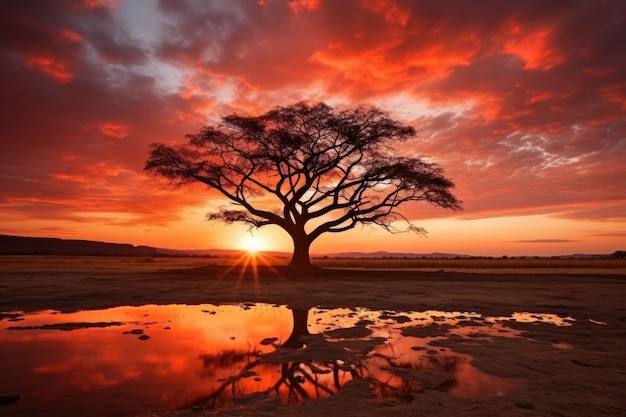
252 244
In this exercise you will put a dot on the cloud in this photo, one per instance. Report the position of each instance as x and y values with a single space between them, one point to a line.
617 233
115 130
303 5
543 241
55 69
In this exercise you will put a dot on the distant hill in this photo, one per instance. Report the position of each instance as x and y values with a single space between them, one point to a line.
18 245
385 254
21 245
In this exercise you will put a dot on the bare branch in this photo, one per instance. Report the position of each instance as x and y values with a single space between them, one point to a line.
307 163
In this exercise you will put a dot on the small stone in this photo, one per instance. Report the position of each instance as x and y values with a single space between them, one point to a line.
144 337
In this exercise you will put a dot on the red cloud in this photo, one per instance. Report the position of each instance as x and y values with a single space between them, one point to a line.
299 5
115 130
391 10
534 49
51 67
92 4
70 35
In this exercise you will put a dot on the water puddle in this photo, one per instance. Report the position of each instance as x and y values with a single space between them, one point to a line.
127 360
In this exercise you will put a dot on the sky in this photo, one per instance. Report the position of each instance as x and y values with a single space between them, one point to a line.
523 103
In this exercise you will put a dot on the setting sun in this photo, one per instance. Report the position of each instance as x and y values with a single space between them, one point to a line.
253 244
246 206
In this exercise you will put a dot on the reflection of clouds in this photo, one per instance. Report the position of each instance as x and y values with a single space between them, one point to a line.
211 354
397 364
108 363
549 318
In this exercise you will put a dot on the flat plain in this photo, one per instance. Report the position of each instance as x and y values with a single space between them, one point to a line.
585 379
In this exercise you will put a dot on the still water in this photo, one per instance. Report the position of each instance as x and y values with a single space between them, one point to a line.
128 360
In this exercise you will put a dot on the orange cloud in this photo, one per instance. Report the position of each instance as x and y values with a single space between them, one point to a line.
72 178
382 69
534 48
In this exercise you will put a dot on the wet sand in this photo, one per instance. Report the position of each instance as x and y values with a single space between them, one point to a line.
586 380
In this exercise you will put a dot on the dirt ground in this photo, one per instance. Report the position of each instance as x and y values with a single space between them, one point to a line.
587 380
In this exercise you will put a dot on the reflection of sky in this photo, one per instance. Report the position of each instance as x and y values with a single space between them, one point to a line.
83 369
190 352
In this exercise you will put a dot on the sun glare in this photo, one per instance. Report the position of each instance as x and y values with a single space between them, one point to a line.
252 244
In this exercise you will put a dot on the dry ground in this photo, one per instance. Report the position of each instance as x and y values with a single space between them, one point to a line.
587 380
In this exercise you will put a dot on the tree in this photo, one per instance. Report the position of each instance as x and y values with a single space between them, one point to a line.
619 254
309 169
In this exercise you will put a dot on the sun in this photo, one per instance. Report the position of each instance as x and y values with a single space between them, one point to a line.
252 244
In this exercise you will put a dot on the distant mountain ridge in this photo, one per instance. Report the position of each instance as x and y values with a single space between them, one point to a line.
19 245
22 245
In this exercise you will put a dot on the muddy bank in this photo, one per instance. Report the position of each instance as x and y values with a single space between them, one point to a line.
585 378
598 296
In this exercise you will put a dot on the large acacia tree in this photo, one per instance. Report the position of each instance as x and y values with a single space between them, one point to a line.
309 169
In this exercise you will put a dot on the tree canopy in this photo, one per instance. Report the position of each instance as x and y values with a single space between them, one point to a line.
310 169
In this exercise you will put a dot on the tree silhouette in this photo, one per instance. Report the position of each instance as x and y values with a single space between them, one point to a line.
309 169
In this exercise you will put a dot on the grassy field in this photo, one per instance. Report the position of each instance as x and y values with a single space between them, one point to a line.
104 263
478 263
147 264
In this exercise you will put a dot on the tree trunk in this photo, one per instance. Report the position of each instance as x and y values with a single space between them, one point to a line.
300 328
300 257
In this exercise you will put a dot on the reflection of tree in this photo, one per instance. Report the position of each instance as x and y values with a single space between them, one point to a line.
229 359
300 328
312 367
296 377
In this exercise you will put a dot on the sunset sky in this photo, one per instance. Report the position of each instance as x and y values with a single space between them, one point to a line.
523 103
